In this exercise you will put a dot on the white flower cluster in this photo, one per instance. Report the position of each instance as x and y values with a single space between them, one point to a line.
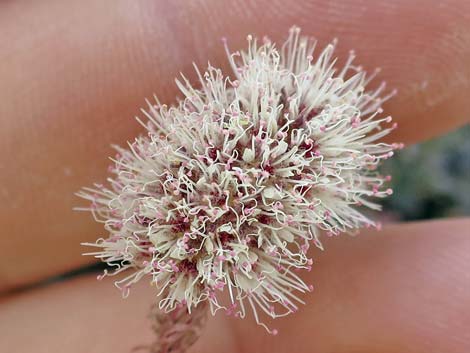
232 185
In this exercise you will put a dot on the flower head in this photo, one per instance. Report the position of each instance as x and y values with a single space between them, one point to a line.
231 186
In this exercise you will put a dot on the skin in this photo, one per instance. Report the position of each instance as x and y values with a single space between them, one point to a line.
74 73
405 289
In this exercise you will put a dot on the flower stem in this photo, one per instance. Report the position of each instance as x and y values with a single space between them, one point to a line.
178 330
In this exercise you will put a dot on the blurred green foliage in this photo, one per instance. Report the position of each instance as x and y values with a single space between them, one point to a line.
432 179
